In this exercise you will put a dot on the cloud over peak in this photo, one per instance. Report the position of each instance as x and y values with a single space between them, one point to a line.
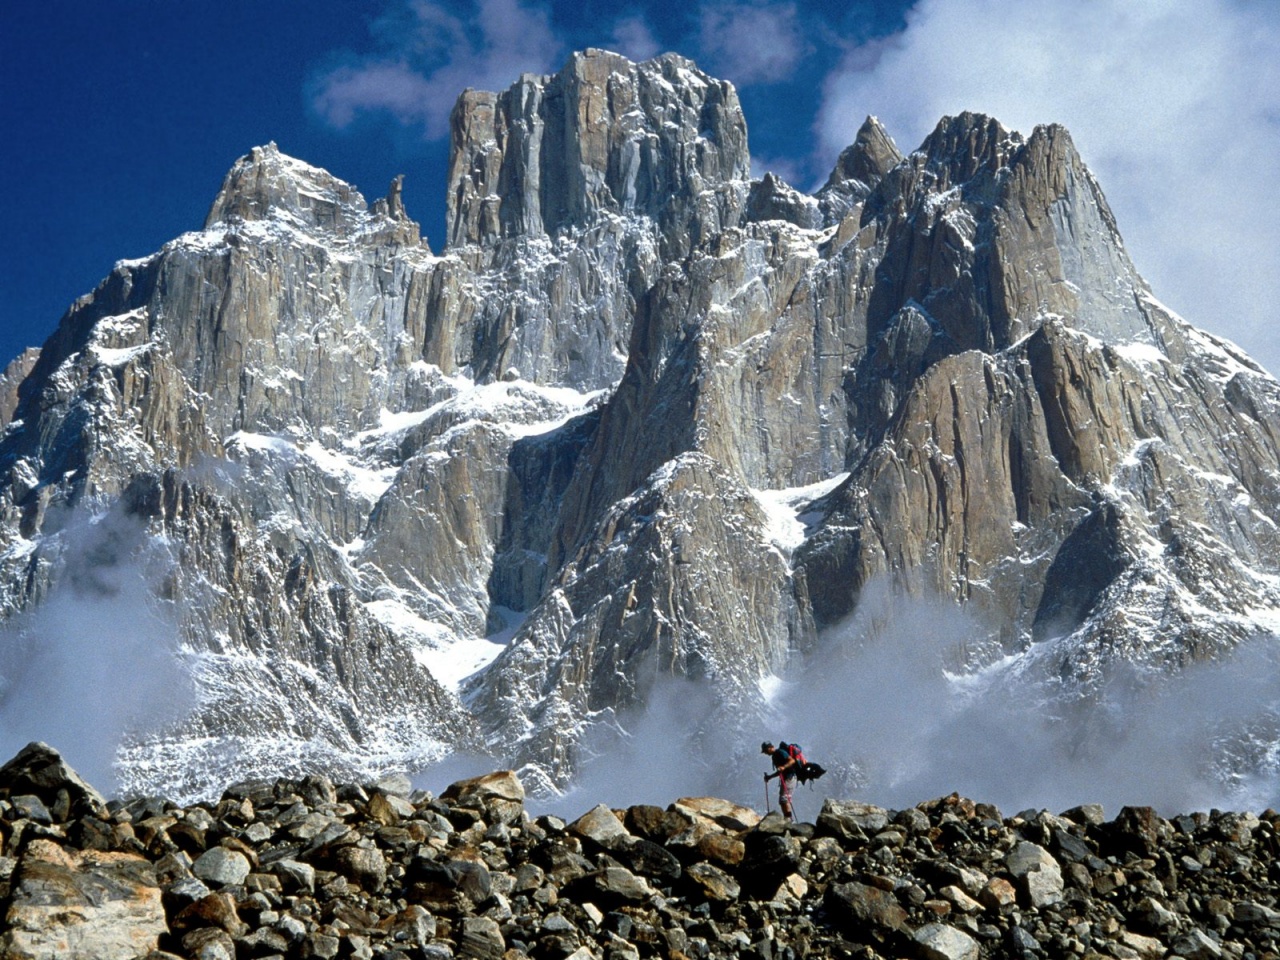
752 42
1175 104
429 54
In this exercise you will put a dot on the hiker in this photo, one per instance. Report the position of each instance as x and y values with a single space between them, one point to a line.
785 767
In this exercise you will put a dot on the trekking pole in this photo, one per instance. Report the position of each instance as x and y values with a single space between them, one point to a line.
768 808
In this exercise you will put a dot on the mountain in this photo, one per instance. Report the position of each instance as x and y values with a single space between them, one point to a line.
644 417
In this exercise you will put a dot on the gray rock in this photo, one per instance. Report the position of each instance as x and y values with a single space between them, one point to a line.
209 943
300 876
500 795
851 820
712 883
1155 916
321 946
938 941
600 826
185 891
1196 944
481 939
414 926
221 867
31 808
1249 914
615 884
1087 814
265 941
364 866
38 769
857 906
1038 873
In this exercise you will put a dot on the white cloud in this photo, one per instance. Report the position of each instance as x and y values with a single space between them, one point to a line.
99 661
787 168
392 86
1174 104
632 38
432 55
752 43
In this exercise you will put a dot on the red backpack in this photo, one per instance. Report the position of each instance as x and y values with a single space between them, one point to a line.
795 753
804 770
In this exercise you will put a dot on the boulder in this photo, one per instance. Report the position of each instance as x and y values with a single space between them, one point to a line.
723 813
998 895
38 769
1136 830
297 877
441 882
93 905
768 859
851 821
601 826
499 795
481 939
938 941
1196 944
711 883
364 866
612 886
655 823
221 867
648 859
857 906
209 943
1038 873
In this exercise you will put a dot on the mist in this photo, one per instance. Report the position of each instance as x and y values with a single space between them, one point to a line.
99 659
892 706
900 718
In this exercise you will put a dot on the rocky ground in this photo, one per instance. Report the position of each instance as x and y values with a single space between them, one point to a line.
304 868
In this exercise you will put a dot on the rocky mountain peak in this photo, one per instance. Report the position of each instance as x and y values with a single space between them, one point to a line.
654 421
604 135
268 184
871 155
12 378
961 147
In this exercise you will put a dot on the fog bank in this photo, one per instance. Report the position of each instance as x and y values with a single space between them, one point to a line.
889 706
99 658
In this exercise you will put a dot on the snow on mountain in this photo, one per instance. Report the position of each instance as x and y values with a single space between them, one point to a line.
642 421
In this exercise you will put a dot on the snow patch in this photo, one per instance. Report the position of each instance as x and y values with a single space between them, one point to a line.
1141 354
787 510
449 657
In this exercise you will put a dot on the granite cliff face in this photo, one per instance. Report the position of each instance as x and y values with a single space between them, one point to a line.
643 417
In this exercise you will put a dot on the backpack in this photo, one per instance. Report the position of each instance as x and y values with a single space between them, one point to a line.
805 771
794 752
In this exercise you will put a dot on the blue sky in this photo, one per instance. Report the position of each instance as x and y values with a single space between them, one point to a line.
122 116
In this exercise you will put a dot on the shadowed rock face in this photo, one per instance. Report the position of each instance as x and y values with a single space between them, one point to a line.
642 417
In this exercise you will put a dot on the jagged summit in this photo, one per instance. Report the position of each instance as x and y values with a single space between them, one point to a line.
266 183
645 419
604 135
871 155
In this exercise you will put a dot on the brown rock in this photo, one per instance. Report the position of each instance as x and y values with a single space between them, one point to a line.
81 906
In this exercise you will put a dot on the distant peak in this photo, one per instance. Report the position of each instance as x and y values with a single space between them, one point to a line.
602 135
266 184
968 142
871 155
